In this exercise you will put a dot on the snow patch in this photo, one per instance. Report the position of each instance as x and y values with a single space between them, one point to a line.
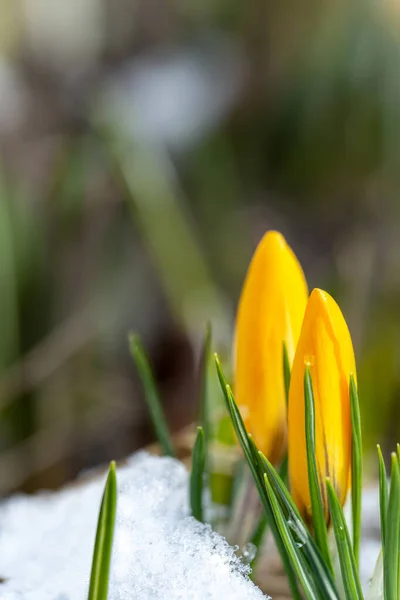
159 552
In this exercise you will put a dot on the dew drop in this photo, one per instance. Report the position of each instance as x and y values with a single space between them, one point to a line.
291 524
249 552
299 544
299 531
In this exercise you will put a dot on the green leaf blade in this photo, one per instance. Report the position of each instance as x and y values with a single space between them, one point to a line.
391 554
356 469
317 508
197 476
99 577
204 413
383 495
151 395
323 576
351 582
233 410
253 464
286 371
291 548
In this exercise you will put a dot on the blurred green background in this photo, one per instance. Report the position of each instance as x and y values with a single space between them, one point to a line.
145 147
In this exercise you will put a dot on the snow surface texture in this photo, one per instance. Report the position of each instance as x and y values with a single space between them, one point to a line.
159 553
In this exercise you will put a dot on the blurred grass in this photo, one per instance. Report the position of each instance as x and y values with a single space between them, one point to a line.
100 234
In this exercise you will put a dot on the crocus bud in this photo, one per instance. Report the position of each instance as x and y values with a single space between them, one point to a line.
325 347
270 313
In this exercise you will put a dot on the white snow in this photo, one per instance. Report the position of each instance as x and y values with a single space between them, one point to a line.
159 552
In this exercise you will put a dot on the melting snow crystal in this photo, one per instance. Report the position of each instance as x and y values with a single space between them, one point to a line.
159 553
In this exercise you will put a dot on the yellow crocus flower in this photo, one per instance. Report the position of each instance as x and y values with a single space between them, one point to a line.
325 346
270 312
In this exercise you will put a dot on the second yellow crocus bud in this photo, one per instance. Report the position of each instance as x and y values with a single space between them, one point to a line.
325 346
270 313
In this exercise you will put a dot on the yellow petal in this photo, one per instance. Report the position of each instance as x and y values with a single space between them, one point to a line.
271 310
325 345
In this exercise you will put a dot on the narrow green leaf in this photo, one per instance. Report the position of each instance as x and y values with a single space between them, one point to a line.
291 548
151 394
204 413
317 508
383 496
356 468
197 475
391 554
279 487
305 541
351 582
239 427
284 467
253 463
286 371
99 576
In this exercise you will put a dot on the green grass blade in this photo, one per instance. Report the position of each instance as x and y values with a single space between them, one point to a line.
204 401
197 475
204 412
291 548
286 371
391 554
356 469
253 464
317 508
151 394
323 577
98 589
238 424
383 496
351 582
280 488
398 531
9 282
251 455
283 469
